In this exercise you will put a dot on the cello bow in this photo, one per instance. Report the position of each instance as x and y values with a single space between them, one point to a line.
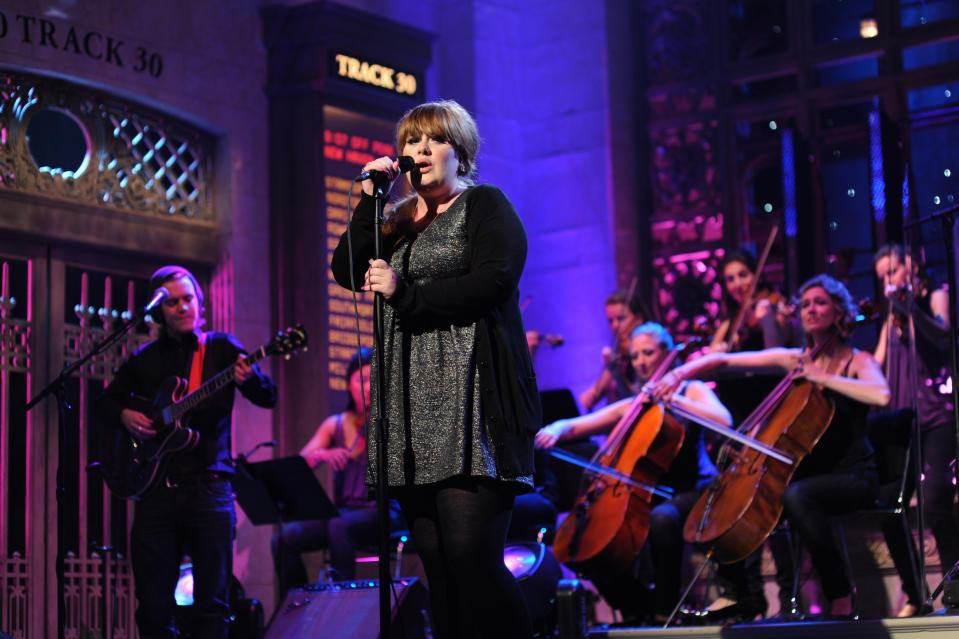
612 473
676 405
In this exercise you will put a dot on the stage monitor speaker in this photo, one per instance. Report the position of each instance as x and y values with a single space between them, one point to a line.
351 609
537 572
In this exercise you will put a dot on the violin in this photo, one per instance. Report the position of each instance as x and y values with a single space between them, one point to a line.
750 319
608 524
533 337
776 300
617 374
901 297
869 311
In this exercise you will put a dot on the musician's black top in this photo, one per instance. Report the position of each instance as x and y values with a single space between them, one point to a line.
844 446
143 374
692 468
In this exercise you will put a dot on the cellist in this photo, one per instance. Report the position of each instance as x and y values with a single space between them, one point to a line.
839 475
751 320
649 345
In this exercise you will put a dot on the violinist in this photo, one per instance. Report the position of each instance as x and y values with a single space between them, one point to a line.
918 387
690 471
762 325
617 379
839 475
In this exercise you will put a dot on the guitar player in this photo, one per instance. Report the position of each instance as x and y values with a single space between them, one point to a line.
189 509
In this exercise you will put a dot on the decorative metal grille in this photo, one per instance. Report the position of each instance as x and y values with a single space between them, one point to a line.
15 365
13 599
687 289
14 332
98 301
136 160
84 598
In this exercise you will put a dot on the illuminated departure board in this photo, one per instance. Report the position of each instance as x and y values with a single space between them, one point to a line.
350 140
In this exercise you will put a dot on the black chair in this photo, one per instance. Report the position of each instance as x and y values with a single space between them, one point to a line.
887 432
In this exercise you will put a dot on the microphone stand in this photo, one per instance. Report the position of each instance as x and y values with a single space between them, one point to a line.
58 388
380 424
912 377
947 218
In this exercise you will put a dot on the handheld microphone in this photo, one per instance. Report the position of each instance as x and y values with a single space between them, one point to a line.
158 296
406 164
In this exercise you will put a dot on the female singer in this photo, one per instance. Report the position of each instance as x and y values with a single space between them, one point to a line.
929 310
839 475
689 472
461 398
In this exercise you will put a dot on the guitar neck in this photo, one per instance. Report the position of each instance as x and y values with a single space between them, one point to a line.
211 386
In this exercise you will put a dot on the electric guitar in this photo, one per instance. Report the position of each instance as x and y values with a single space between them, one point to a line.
131 466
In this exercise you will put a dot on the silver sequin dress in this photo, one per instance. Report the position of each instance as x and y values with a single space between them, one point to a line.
436 427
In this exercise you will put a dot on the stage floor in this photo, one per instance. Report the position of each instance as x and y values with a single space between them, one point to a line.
936 626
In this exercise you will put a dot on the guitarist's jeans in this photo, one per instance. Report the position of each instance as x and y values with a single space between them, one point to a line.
195 518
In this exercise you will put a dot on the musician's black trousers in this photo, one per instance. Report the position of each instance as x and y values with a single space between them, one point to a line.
341 535
807 505
195 518
938 450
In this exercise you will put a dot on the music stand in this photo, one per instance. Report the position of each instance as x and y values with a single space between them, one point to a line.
558 403
279 491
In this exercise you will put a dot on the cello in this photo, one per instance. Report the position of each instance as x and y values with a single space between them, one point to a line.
609 522
740 509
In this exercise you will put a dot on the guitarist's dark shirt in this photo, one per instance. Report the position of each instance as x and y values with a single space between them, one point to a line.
142 375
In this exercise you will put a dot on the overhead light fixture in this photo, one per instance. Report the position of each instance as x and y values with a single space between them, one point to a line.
868 27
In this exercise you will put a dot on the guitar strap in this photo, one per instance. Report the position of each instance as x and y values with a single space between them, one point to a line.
196 368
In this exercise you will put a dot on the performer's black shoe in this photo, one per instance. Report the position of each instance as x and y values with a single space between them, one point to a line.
736 613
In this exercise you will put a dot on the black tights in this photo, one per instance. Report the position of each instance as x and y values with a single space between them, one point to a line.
459 530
